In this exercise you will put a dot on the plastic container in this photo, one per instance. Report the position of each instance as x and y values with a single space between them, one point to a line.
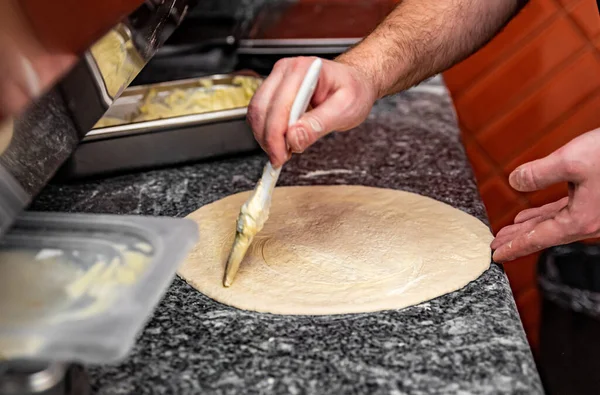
79 287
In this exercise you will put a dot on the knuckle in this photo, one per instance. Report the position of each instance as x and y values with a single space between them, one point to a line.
529 178
588 227
281 64
573 167
301 63
283 111
314 125
296 148
255 109
254 116
271 141
345 98
298 65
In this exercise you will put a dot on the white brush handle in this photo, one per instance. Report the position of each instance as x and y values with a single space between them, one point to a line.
255 212
307 89
301 102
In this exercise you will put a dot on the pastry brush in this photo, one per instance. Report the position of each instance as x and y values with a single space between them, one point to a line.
255 211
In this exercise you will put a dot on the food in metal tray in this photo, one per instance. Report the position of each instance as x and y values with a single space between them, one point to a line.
212 98
115 57
206 97
108 121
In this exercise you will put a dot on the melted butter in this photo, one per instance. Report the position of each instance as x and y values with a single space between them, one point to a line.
39 288
197 101
17 346
45 285
255 211
6 134
32 289
180 102
102 288
113 55
253 215
108 121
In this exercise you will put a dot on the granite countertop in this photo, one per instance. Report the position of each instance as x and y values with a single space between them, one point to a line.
470 341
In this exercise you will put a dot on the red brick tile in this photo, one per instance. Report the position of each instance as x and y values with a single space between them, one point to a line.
465 134
531 17
586 118
567 3
481 165
506 138
498 197
509 217
492 94
522 274
548 195
585 14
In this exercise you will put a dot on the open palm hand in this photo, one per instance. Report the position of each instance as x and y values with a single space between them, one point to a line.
572 218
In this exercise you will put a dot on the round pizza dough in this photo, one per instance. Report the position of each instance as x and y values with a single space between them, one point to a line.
338 250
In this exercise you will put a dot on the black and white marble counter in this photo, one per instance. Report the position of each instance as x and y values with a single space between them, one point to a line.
470 341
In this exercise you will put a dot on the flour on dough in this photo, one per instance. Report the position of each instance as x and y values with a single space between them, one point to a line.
338 250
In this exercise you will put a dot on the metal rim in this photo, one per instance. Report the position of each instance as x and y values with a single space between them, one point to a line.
39 381
166 123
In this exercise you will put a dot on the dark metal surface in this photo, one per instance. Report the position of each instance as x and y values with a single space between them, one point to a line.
169 146
569 279
37 378
48 132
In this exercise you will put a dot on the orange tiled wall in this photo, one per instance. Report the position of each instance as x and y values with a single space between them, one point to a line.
531 90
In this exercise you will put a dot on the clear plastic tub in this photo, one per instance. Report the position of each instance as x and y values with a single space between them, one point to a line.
79 287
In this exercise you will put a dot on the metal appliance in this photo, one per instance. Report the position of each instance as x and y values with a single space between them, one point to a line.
37 141
129 146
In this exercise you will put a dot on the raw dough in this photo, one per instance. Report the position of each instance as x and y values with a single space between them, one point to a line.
339 249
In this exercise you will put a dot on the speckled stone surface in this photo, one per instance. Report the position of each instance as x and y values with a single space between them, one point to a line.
470 341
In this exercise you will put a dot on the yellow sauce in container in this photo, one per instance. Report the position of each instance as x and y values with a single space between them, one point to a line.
205 98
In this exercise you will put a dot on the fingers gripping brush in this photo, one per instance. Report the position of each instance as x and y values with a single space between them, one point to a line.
255 211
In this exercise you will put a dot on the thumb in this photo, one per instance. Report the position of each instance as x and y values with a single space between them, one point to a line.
315 124
540 173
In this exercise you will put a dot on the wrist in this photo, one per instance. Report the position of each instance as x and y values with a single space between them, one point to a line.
364 73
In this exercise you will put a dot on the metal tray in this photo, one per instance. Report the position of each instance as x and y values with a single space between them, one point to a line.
296 47
162 142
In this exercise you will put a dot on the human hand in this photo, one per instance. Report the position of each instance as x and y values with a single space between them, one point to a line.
342 100
569 219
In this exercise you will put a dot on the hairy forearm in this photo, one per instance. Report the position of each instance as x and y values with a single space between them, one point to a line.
421 38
